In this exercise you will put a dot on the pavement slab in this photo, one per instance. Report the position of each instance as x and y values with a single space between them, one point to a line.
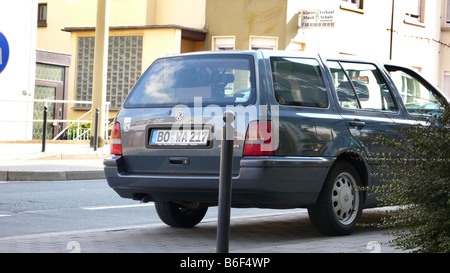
277 233
59 162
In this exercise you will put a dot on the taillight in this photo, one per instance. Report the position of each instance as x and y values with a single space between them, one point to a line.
259 139
116 144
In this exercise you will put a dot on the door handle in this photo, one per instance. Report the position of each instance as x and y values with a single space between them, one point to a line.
357 123
179 160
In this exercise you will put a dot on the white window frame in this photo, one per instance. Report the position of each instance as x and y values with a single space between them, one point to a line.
352 3
263 42
415 15
447 14
223 43
446 83
296 46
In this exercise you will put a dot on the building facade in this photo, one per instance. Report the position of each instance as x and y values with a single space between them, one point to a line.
140 31
415 33
17 67
408 32
444 62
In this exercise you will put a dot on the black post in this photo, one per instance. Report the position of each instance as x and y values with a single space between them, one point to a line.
96 130
44 129
226 167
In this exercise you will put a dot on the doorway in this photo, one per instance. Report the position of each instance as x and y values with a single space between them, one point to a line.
48 90
52 73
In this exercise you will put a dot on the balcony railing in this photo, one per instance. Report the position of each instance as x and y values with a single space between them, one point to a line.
74 130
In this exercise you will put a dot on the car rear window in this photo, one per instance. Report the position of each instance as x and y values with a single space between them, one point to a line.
217 79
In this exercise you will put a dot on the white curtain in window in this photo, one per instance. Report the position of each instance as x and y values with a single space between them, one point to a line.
448 13
413 8
446 88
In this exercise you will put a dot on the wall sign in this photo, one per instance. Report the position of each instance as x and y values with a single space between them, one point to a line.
316 18
4 52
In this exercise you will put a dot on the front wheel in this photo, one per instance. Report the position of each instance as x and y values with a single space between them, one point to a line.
179 215
339 205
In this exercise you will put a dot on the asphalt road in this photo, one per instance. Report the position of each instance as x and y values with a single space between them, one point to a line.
88 216
42 207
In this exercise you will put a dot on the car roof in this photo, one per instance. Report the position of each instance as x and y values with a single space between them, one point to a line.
285 53
279 53
258 53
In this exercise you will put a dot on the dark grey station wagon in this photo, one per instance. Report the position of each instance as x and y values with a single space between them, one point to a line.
297 140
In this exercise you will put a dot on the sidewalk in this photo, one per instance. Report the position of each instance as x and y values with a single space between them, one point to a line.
281 232
277 233
25 161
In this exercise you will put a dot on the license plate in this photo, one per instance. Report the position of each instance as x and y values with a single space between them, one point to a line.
179 137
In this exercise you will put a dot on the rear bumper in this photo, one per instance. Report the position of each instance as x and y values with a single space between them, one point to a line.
275 182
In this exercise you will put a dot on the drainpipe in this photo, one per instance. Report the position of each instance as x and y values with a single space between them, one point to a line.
392 30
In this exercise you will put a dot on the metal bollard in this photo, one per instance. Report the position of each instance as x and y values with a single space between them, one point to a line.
226 168
96 130
44 129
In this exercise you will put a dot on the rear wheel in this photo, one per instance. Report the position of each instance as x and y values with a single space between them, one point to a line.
339 205
180 215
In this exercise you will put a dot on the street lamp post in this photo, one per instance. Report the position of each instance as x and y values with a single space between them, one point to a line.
100 71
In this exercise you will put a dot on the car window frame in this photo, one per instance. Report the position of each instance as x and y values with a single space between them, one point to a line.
380 69
323 75
417 77
253 70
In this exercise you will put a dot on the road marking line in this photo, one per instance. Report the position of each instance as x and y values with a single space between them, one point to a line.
86 208
275 213
131 227
117 207
79 232
4 215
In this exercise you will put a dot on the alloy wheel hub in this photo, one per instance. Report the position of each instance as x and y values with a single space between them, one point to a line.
344 199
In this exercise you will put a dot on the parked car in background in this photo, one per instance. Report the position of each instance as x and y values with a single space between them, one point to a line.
297 144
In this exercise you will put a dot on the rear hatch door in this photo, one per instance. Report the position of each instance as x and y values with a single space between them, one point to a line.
172 119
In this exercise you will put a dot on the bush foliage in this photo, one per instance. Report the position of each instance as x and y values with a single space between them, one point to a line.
419 184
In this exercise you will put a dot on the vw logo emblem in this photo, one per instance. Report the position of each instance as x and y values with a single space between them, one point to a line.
179 115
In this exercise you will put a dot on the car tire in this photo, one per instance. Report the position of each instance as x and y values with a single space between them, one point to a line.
178 215
339 206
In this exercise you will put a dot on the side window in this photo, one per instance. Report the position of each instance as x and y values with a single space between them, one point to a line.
369 88
417 98
299 82
346 94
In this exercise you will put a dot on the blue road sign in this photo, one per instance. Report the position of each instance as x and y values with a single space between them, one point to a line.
4 52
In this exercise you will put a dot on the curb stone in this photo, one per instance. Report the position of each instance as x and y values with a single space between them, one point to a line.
51 175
